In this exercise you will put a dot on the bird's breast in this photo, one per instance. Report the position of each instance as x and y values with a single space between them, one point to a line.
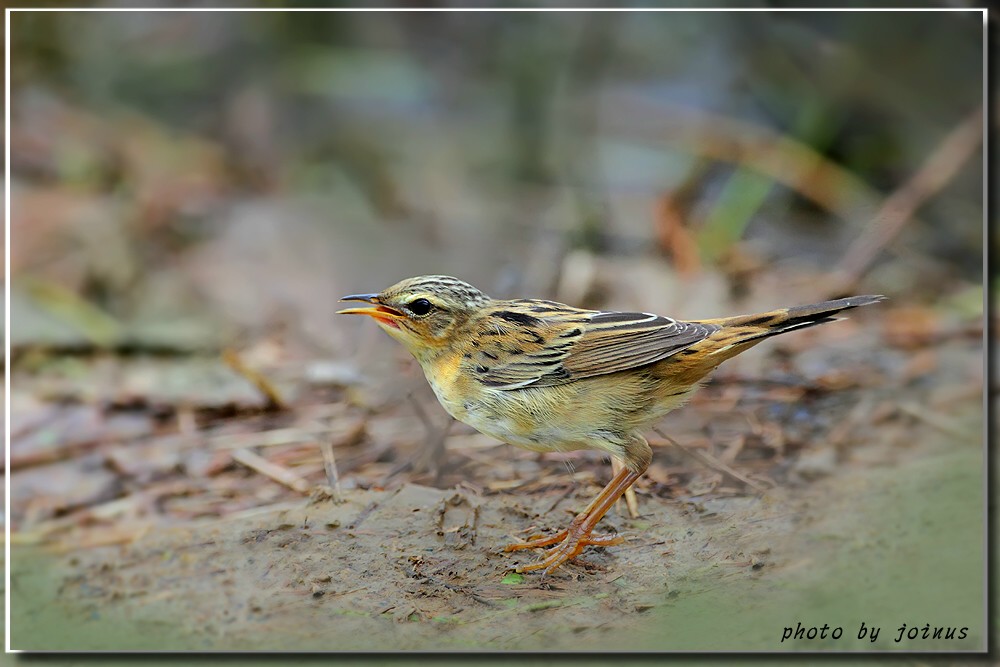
445 378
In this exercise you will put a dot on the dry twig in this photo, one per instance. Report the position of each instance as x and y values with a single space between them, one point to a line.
272 438
330 466
274 399
898 208
712 462
277 473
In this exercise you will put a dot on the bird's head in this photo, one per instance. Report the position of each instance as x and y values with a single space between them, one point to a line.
421 313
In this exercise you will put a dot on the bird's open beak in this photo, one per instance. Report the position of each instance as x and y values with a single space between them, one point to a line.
380 312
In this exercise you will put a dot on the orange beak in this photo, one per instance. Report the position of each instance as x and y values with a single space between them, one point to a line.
382 314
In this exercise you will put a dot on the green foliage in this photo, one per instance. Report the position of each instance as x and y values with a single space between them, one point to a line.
512 578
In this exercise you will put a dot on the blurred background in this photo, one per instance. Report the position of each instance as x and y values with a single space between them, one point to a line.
188 183
192 183
181 178
191 193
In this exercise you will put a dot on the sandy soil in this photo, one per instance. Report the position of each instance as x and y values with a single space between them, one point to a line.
886 532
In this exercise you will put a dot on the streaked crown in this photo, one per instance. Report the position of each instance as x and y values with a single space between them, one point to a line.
447 290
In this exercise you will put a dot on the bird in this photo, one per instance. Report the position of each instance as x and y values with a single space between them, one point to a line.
547 377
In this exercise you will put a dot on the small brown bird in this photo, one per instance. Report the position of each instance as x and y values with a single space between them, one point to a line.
550 377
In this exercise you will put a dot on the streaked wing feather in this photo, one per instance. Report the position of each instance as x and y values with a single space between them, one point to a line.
566 344
630 344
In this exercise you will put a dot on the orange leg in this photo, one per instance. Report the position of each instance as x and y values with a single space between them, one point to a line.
577 536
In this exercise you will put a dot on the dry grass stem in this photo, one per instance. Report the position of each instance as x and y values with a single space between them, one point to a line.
270 392
330 466
277 473
713 463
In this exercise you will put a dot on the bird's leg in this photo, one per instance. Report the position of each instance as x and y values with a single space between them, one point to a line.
577 535
631 502
561 535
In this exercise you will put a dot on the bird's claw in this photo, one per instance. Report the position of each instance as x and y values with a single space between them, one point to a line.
569 547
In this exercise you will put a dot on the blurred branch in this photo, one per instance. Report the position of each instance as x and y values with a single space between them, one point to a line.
257 379
802 169
671 215
898 208
99 328
714 136
278 473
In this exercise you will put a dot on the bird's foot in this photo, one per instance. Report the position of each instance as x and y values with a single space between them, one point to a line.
570 543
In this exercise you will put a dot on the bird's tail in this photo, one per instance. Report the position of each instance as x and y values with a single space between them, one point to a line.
739 333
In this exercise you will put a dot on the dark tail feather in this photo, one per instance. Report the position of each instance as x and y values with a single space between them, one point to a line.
777 322
821 313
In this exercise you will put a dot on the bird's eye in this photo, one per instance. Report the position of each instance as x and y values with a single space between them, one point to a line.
420 306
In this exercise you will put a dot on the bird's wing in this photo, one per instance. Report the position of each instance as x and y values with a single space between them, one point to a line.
542 343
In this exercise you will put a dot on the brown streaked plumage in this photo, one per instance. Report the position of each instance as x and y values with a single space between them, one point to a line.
550 377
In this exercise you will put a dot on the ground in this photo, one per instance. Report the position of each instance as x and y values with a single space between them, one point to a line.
857 521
